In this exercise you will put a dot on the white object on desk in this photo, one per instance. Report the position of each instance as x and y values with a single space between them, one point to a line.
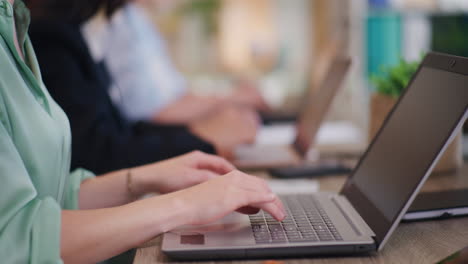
331 135
293 186
276 134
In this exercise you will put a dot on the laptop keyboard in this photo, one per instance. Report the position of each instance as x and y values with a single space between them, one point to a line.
306 221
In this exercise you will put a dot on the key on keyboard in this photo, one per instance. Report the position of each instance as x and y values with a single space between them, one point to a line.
306 221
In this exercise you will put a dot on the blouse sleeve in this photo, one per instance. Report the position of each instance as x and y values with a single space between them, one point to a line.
73 188
29 225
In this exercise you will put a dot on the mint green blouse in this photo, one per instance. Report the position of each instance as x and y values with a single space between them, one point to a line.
35 151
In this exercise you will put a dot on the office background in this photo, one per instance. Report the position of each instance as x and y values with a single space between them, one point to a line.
274 42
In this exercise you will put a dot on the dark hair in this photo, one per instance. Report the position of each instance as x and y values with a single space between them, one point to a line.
76 11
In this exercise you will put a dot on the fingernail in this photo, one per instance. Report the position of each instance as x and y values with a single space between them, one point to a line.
282 215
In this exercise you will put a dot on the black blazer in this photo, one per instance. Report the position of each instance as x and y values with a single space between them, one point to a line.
102 139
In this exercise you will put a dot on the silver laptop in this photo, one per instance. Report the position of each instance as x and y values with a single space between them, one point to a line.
316 107
363 216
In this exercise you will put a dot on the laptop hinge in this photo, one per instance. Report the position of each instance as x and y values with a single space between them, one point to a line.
352 216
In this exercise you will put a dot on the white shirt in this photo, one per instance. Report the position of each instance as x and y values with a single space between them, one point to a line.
136 56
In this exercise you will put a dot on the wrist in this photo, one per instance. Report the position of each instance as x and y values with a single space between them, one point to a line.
176 211
140 181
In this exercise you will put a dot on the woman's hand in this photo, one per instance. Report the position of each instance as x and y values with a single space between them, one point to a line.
189 109
228 128
214 199
179 173
248 94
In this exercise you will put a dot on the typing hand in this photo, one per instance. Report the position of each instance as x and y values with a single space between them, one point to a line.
216 198
247 94
180 172
190 108
228 128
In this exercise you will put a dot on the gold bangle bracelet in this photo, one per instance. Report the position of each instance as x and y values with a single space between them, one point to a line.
130 190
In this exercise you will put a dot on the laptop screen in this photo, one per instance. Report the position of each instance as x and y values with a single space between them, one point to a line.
400 156
319 104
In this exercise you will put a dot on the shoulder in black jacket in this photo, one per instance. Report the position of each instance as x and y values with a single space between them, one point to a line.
102 140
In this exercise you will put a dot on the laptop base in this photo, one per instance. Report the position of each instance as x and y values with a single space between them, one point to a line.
336 229
272 252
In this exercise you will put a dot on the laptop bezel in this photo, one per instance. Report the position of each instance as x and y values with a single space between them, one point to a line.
365 207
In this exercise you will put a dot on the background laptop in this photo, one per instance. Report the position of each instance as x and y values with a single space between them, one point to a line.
368 209
291 109
313 114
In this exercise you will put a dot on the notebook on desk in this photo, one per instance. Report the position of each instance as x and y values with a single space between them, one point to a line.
363 216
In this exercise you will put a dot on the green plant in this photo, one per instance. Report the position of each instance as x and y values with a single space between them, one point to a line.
207 9
395 79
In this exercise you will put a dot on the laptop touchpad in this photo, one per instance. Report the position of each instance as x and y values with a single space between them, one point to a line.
194 239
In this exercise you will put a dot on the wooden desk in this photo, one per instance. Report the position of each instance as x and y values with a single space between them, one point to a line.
422 242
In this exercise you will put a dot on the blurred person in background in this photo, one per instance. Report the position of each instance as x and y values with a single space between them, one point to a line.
51 215
147 85
103 139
